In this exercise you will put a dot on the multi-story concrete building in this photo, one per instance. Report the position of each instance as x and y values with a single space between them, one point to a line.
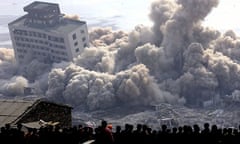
45 34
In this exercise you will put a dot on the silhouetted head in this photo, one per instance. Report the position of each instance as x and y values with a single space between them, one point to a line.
206 125
164 127
196 128
118 128
174 130
144 127
180 129
139 127
104 123
7 126
214 128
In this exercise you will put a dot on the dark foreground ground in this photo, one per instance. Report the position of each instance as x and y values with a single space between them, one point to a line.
104 134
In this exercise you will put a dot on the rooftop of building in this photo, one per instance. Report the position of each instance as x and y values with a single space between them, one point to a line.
11 110
65 25
40 6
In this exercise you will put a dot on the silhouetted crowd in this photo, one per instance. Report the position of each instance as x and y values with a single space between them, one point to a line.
104 134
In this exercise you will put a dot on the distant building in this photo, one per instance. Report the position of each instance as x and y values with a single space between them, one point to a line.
21 111
45 34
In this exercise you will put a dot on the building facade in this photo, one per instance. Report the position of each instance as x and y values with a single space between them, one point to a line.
45 34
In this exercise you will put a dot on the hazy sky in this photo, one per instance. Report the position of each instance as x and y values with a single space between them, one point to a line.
126 14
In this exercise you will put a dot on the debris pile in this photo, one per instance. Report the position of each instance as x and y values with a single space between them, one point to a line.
171 115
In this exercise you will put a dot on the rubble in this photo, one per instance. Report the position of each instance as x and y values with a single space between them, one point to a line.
179 116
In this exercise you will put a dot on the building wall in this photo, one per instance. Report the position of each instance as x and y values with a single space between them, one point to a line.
48 112
78 40
29 43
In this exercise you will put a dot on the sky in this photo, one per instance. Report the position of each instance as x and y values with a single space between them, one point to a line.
122 14
225 16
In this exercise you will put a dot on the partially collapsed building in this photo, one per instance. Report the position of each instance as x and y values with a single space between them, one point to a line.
45 34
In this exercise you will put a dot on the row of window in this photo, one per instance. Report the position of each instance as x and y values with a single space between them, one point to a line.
38 34
46 54
57 46
31 46
40 48
39 22
59 52
21 50
56 39
39 15
20 32
37 47
22 39
39 53
21 56
56 58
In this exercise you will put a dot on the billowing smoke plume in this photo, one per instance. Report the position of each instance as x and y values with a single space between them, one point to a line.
177 60
14 86
74 17
11 84
94 90
97 59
